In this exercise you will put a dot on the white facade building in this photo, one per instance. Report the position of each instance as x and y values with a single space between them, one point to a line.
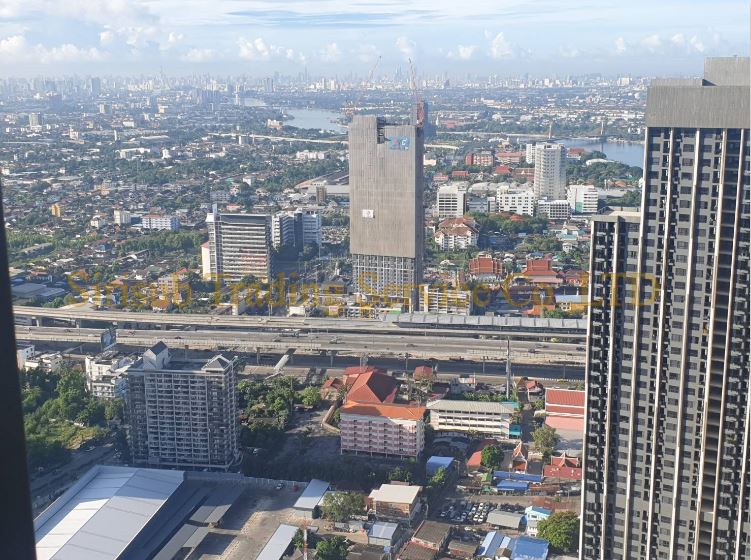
445 299
451 200
516 200
491 418
550 171
160 222
553 209
582 199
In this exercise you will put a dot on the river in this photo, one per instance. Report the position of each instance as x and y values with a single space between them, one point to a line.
630 153
317 119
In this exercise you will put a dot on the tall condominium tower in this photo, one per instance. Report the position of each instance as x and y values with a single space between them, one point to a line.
239 246
550 171
386 208
182 413
666 452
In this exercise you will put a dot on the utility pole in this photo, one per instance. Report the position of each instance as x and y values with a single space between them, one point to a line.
508 368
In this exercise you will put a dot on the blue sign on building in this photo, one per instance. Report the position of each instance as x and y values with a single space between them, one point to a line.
399 143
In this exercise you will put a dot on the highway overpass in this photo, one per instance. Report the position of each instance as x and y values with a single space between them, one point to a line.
412 345
445 325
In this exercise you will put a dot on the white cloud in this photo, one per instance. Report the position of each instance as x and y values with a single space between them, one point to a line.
568 52
620 45
13 46
173 38
367 53
651 42
19 49
696 44
406 47
331 53
257 49
678 40
465 52
106 37
500 47
198 55
67 53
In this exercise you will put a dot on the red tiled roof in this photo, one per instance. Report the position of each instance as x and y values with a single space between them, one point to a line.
568 473
564 461
564 397
373 387
397 411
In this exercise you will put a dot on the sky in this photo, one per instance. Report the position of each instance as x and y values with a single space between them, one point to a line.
333 37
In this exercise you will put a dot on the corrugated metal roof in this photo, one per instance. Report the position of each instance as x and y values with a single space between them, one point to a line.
278 543
506 519
484 407
383 530
313 494
103 512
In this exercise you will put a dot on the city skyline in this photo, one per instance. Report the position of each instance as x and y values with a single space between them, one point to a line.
261 37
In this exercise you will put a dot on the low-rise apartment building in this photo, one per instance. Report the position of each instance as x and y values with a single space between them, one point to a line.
392 430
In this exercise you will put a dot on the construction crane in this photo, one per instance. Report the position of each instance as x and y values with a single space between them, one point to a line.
419 108
351 107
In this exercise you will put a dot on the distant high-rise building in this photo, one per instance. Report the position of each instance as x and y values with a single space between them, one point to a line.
666 449
182 413
239 246
550 171
386 208
530 153
35 119
95 86
296 229
451 200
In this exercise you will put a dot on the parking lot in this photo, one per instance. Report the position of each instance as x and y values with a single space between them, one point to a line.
248 525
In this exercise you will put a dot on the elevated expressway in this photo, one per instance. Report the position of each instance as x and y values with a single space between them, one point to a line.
465 327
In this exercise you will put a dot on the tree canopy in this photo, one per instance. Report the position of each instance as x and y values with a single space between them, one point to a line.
492 456
342 506
561 530
545 439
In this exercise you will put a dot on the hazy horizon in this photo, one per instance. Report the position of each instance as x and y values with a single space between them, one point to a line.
258 38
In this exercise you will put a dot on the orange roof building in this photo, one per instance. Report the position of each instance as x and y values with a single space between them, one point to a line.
390 430
373 387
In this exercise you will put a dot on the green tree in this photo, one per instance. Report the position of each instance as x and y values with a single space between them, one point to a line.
561 530
492 456
439 479
342 506
401 474
311 396
334 548
539 404
545 439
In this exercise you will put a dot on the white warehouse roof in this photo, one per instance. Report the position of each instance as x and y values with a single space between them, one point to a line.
98 517
396 493
313 495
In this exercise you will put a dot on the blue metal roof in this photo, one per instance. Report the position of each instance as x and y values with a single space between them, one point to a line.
512 485
527 548
436 462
